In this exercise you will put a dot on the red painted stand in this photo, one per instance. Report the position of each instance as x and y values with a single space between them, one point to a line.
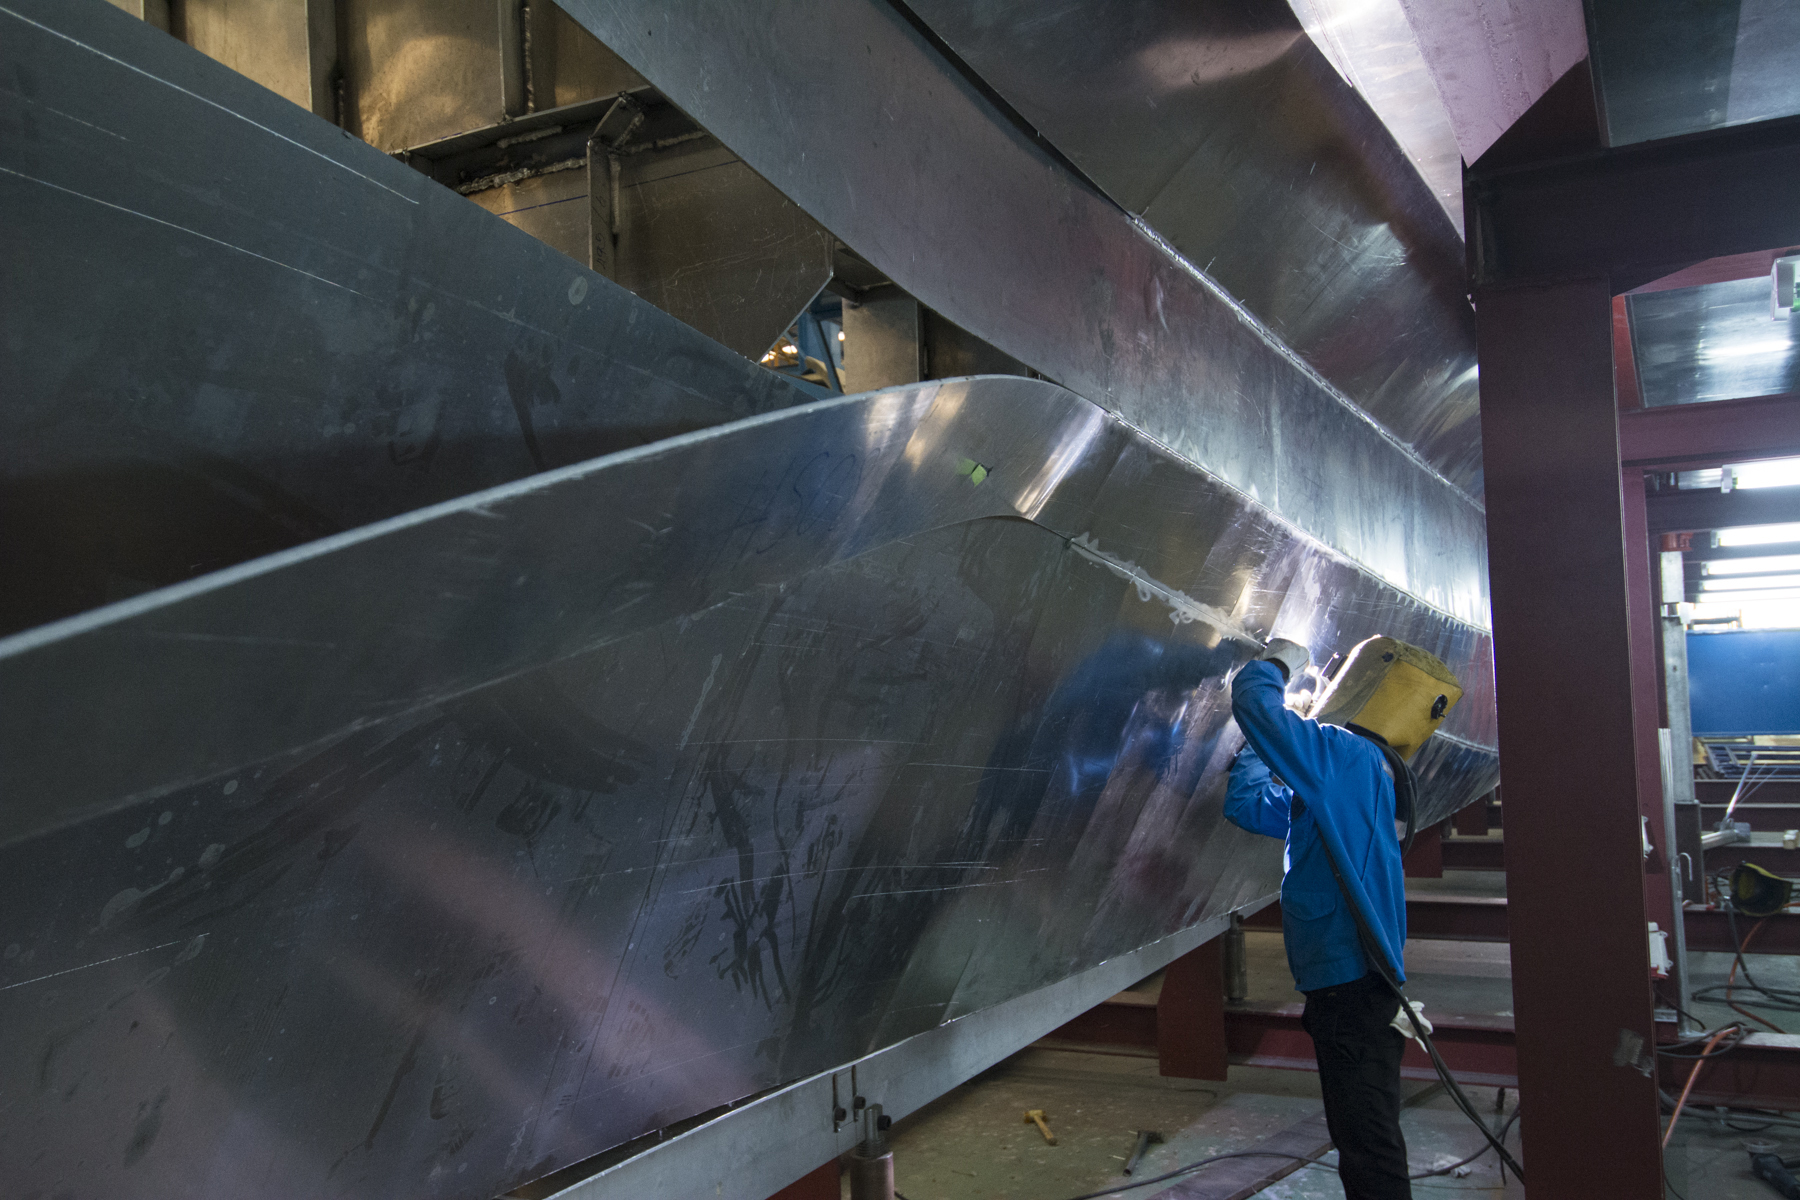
821 1184
1190 1015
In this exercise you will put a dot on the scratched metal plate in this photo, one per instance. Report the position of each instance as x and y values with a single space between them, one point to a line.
667 856
428 857
1228 132
941 192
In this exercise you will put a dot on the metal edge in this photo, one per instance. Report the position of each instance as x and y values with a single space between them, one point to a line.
756 1150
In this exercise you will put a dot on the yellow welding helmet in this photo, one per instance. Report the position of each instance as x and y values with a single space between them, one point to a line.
1390 688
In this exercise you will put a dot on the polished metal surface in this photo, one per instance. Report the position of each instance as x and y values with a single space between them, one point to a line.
515 828
264 331
1371 44
1716 341
1667 67
706 240
1024 256
1228 132
755 1150
427 856
1494 59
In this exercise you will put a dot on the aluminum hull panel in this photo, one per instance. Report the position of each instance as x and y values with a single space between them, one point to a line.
674 853
978 222
245 330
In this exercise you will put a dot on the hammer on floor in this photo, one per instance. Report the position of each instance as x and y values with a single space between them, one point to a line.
1035 1116
1146 1138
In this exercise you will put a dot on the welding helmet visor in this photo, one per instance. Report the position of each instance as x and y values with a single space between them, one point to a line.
1394 690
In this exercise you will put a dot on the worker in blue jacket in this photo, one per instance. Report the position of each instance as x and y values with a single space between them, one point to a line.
1325 789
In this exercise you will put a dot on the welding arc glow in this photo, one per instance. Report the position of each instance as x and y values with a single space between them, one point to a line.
1759 535
1753 566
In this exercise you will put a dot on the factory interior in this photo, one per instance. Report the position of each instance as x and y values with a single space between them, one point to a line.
667 600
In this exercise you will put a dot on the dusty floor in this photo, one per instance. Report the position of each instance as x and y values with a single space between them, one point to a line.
973 1144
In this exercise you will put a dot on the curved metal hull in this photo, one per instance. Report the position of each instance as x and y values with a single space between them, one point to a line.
428 857
814 744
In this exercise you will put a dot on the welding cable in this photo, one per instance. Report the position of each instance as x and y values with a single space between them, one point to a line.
1305 1160
1736 1032
1689 1087
1190 1168
1779 999
1505 1128
1377 960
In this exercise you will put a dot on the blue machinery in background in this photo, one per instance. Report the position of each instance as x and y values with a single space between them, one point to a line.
1744 683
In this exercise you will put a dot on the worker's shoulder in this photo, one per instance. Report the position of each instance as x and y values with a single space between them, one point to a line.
1351 747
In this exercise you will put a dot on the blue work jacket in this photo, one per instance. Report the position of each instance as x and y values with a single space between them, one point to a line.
1315 786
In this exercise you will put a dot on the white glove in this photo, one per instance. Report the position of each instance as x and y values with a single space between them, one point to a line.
1405 1027
1292 656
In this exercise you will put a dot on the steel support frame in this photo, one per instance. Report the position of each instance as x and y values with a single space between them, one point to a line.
1692 436
1636 212
1565 662
1674 512
1479 1050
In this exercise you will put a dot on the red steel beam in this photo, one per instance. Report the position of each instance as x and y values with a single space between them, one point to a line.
1472 819
1692 436
1563 662
1190 1015
1426 858
1481 1049
1762 1072
822 1184
1710 929
1475 854
1478 1049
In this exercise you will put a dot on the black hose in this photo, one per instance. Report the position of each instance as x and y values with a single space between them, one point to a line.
1378 963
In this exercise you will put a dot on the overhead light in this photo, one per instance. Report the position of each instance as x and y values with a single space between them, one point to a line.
1745 597
1773 472
1750 582
1759 535
1784 614
1752 566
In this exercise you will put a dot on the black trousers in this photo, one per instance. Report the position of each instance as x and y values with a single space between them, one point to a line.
1359 1072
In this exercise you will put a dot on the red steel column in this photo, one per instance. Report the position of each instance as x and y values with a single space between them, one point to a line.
1190 1015
1563 667
1646 700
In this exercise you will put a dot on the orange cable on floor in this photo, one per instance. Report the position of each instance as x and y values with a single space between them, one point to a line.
1692 1075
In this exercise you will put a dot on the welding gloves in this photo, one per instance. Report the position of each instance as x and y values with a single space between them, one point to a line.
1291 656
1405 1027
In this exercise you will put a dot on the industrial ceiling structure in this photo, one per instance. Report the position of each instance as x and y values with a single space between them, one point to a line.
593 587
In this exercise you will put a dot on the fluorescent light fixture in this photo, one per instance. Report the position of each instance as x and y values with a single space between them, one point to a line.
1750 582
1748 595
1774 472
1753 566
1760 535
1781 614
1766 348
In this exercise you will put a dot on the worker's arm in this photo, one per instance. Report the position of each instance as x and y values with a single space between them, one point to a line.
1298 750
1253 800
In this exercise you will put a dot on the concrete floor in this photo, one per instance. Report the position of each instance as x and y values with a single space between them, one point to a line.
973 1144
